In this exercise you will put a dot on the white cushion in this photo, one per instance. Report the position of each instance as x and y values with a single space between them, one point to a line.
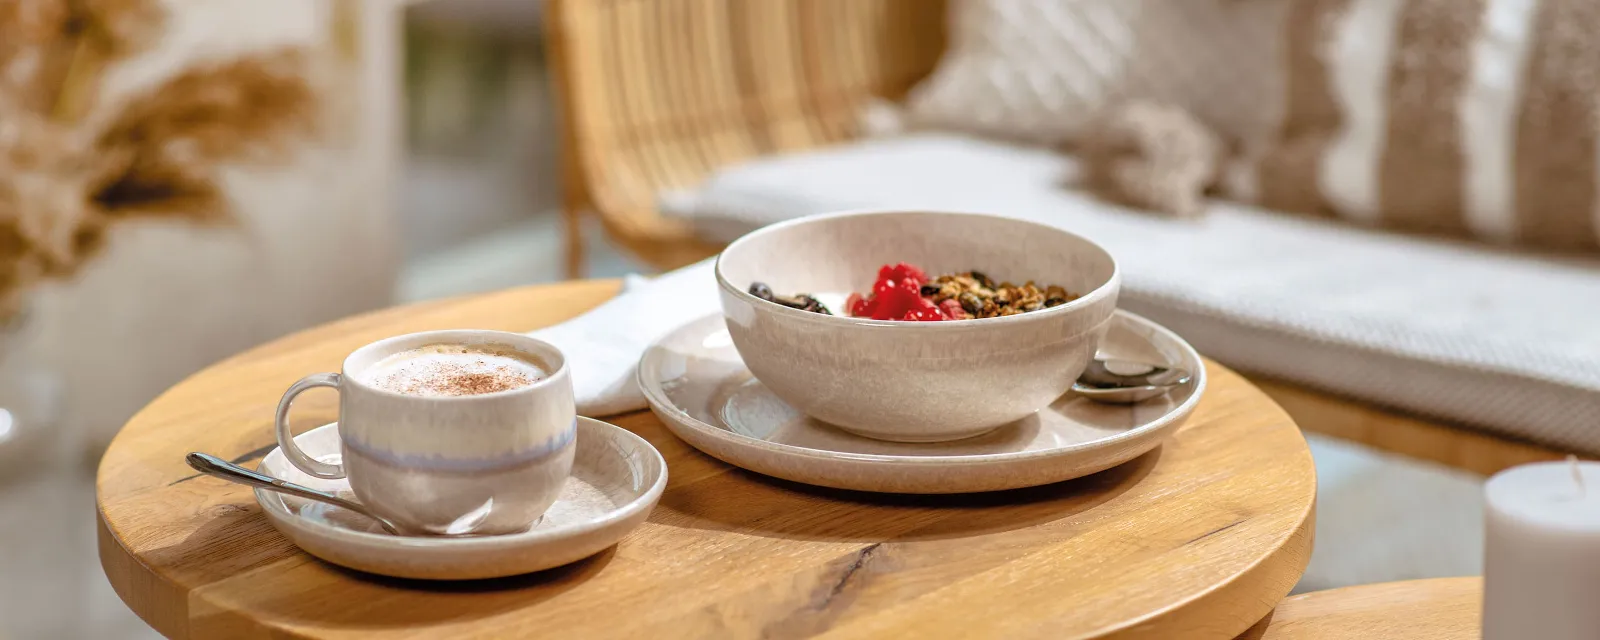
1040 70
1503 341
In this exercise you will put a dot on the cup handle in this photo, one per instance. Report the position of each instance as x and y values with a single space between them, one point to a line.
291 450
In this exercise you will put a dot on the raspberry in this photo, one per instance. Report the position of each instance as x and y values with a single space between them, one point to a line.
899 302
856 305
904 271
896 295
883 286
952 310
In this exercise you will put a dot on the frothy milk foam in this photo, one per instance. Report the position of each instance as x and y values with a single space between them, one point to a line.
453 370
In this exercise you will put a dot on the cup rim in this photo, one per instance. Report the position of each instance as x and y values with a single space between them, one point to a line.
1106 289
518 341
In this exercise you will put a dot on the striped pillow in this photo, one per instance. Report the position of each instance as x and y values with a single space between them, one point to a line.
1462 117
1041 71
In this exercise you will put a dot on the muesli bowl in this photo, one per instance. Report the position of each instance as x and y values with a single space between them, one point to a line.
914 381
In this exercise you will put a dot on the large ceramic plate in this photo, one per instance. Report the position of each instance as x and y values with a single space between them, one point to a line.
698 386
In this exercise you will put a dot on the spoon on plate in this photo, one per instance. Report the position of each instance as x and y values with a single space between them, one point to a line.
1118 381
213 466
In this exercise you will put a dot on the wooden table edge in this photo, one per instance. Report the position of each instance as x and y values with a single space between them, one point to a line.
1179 615
1411 611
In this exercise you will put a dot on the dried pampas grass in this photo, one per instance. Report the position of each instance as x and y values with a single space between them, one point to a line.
49 47
64 181
248 110
243 109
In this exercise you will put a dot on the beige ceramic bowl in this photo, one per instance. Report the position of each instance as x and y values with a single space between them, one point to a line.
914 381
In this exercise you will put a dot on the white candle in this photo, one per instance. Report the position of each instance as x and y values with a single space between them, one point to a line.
1542 552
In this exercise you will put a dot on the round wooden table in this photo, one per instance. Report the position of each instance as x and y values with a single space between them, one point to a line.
1198 539
1439 609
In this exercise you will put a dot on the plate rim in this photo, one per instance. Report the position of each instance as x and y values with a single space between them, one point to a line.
662 406
276 510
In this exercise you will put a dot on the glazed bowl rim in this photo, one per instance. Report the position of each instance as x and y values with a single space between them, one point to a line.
1106 289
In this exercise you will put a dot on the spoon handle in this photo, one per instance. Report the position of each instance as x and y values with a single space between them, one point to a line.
214 466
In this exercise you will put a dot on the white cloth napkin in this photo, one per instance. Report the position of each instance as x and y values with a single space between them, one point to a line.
603 346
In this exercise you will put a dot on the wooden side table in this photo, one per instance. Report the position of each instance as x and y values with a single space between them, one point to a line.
1439 609
1198 539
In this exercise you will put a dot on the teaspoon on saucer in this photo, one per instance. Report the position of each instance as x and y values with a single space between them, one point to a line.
1115 381
214 466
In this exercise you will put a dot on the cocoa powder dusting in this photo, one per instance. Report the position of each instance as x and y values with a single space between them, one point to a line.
456 379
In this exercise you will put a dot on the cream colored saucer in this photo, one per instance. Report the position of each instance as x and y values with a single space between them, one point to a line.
617 477
699 387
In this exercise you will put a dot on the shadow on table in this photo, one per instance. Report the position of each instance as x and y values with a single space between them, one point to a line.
244 585
783 509
531 587
1259 630
432 602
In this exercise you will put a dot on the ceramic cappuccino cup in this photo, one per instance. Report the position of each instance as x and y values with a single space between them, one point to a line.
449 432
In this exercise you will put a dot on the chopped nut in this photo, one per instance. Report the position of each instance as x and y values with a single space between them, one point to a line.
970 302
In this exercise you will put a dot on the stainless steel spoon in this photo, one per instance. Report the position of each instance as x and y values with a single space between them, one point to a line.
214 466
1115 381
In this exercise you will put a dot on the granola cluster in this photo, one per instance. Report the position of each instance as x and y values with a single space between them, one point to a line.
981 297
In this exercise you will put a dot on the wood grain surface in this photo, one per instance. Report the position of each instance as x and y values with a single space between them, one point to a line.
1198 539
1439 609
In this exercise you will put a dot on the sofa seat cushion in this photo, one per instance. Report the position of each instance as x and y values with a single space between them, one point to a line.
1502 341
